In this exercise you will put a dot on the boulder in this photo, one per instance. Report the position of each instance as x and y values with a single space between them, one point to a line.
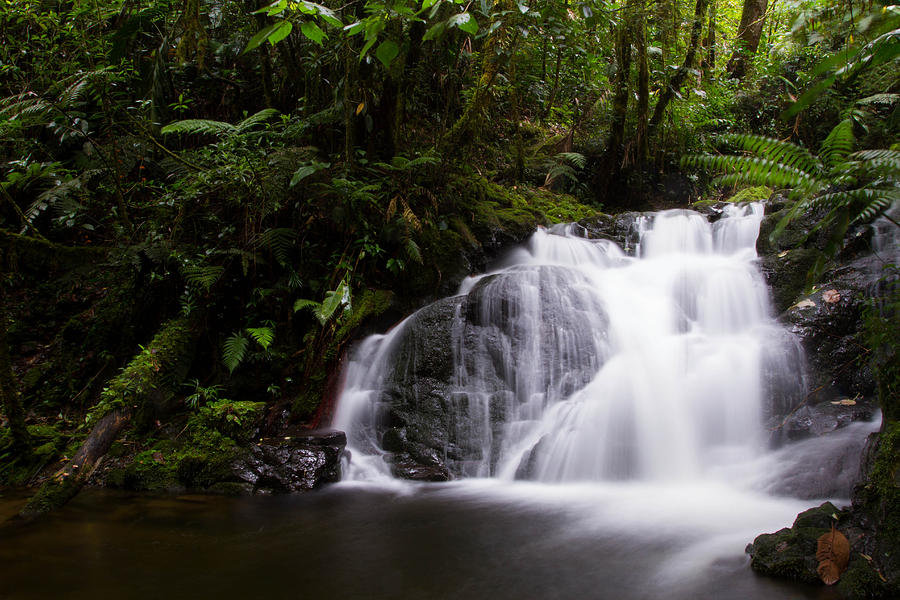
790 553
292 463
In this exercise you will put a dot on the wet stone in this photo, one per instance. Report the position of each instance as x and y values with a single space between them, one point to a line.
293 463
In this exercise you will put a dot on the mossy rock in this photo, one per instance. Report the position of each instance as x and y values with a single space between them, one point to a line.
790 553
861 580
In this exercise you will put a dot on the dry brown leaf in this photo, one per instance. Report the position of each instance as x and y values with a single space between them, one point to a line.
831 296
833 554
804 304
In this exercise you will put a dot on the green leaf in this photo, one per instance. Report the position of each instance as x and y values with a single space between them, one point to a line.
302 173
261 36
465 22
313 32
435 31
281 31
234 350
334 299
386 52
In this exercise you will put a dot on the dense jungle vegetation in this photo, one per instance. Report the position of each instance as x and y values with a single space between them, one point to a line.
203 202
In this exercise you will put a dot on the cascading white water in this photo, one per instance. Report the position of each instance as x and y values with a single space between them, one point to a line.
575 362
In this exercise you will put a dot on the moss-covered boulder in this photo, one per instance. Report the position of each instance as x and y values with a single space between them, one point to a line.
790 553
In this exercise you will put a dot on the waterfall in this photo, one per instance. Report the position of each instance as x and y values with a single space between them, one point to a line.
574 361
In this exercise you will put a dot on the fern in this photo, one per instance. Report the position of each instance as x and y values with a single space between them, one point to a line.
838 145
202 277
199 127
263 336
413 251
779 151
576 159
325 310
255 119
847 187
280 241
234 350
217 128
48 198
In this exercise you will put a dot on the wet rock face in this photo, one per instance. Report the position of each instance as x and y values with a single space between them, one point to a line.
621 228
432 430
827 321
293 463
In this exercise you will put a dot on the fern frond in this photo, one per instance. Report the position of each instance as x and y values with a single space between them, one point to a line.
201 127
391 209
413 252
50 198
202 277
263 335
877 161
752 170
576 159
410 217
23 107
775 150
234 350
874 208
882 99
304 303
280 241
255 119
73 92
839 144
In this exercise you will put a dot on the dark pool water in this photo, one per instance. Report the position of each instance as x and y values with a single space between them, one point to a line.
400 542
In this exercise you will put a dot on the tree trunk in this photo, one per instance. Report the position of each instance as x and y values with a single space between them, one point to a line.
493 59
69 480
146 383
10 399
555 90
748 36
615 149
643 100
710 41
681 74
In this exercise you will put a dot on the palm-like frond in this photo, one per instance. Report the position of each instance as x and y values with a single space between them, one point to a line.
255 119
779 151
234 350
218 128
199 126
264 336
280 241
202 277
739 169
838 145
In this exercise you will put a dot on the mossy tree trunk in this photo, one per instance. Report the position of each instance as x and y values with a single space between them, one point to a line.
615 147
149 379
681 74
643 85
709 64
9 392
494 56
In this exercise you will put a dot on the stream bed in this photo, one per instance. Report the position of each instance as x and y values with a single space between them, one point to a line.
468 539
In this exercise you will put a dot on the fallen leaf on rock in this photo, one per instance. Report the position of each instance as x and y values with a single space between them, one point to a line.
845 402
833 554
831 296
804 304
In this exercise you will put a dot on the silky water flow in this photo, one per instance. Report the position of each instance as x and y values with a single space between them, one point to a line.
634 389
